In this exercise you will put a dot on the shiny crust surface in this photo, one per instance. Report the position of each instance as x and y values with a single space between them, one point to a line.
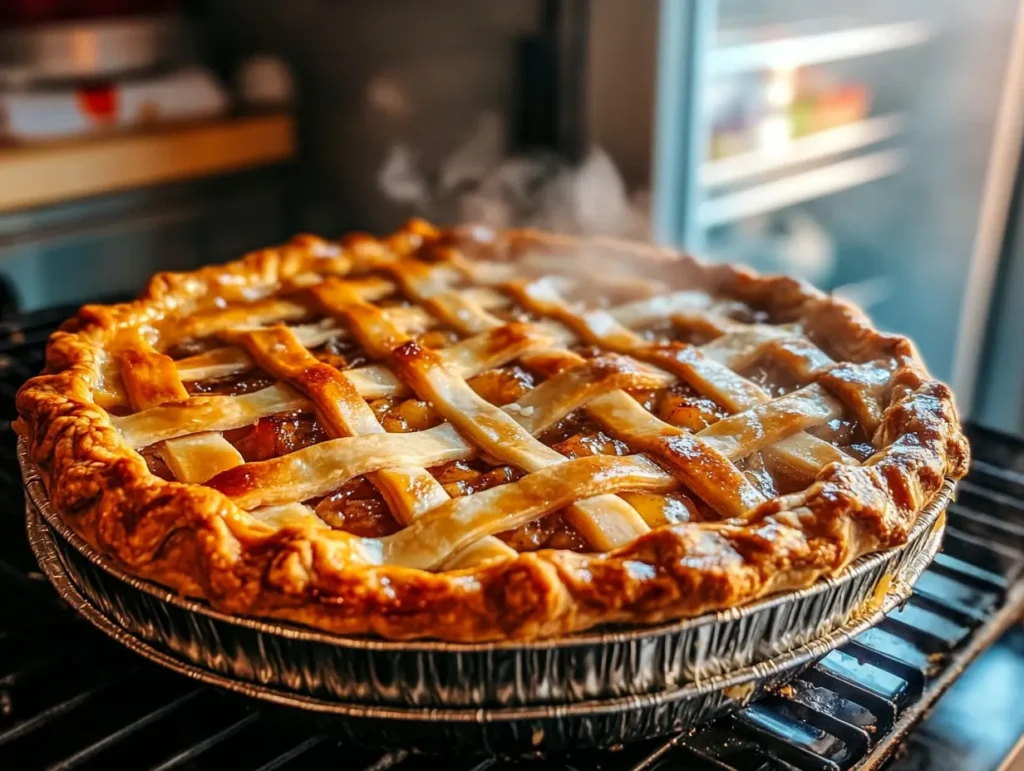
196 539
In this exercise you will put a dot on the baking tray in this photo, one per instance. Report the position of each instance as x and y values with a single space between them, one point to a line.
597 665
550 728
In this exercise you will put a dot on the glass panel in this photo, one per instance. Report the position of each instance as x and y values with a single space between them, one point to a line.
848 144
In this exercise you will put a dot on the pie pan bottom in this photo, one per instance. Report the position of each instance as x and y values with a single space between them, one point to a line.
600 665
505 729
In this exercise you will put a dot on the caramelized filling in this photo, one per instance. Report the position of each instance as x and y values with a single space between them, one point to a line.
583 445
783 480
579 431
231 385
503 385
357 508
275 436
680 406
551 532
673 508
466 477
270 437
400 415
342 353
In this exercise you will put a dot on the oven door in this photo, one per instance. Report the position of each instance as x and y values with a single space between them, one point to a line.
861 146
999 386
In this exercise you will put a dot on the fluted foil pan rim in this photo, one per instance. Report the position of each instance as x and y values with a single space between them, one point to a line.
42 541
37 494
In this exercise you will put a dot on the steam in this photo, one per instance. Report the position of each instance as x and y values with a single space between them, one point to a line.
478 183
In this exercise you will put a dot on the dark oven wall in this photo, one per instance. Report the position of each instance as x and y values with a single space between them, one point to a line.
370 77
107 247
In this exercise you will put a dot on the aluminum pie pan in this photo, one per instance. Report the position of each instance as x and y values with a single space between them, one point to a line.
587 666
549 727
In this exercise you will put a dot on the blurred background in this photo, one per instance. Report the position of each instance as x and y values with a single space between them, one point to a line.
871 148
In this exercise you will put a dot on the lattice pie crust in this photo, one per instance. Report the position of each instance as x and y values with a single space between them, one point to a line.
472 435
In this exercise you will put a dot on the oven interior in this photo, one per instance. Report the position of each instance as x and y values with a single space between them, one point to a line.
72 699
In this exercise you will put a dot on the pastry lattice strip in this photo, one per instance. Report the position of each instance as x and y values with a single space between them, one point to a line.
602 521
423 285
624 417
151 379
409 491
436 303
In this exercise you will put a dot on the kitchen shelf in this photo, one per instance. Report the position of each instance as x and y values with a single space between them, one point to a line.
38 175
818 48
821 144
798 188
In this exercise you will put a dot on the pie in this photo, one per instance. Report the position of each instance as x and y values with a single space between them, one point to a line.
477 435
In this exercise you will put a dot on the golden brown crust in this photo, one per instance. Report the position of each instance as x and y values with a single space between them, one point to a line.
194 539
